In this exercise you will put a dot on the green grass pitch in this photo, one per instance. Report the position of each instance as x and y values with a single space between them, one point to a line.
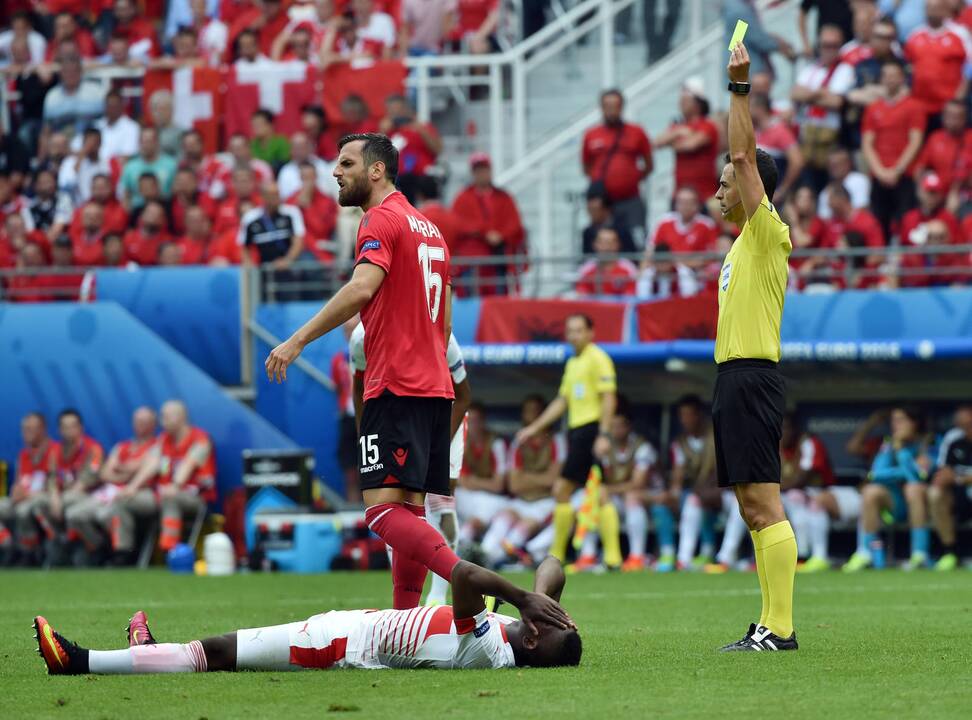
874 645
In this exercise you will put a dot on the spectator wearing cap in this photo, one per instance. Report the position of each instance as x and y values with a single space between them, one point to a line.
777 138
489 226
695 140
891 135
428 22
931 206
301 151
74 103
605 273
119 133
265 144
938 52
418 143
617 156
947 152
840 167
600 215
819 92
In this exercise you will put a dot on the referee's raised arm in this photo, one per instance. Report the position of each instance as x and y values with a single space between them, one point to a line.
742 136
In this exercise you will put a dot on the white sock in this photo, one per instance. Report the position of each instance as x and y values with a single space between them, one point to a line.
589 546
689 527
442 518
160 658
539 545
795 505
636 526
736 530
519 535
492 543
818 522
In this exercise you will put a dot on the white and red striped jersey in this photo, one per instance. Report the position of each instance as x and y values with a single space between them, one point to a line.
697 235
422 637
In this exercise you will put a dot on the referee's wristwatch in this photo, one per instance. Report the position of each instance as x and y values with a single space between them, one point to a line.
739 88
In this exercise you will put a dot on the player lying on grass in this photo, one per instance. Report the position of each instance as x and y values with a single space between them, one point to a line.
464 635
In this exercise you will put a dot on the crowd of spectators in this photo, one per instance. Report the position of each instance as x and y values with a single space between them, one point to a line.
670 503
70 503
873 148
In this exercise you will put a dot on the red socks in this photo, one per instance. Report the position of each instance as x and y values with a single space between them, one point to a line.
403 528
408 576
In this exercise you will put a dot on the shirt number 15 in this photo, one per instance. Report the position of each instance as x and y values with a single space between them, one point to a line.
433 281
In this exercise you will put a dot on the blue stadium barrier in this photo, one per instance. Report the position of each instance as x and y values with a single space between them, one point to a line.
101 360
301 408
194 309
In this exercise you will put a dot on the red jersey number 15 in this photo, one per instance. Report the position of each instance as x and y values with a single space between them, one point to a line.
433 280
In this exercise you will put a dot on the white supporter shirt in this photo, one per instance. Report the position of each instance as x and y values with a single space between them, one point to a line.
120 139
858 186
839 82
288 179
425 637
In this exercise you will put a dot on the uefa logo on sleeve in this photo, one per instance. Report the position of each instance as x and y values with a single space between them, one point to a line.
726 273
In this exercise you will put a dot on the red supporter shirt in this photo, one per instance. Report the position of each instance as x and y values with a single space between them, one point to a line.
776 139
115 218
139 32
937 58
479 212
87 456
228 213
698 235
341 377
320 219
472 14
696 169
612 154
414 155
854 51
192 250
404 321
179 208
915 218
948 156
82 38
891 123
226 246
87 248
827 233
33 465
617 277
143 249
203 478
812 456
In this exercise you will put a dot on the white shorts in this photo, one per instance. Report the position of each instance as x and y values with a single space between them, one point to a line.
534 510
479 505
848 501
456 450
319 642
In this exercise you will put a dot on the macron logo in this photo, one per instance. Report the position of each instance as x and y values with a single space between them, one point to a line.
371 245
482 629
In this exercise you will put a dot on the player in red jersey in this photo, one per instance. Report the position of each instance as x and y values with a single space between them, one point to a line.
462 636
181 466
400 287
124 461
27 491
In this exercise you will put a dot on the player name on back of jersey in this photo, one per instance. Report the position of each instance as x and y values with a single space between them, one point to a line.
424 228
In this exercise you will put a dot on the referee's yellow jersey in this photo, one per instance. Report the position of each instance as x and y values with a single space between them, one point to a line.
752 286
586 376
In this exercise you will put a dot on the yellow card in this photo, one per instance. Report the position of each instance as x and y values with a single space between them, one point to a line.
738 34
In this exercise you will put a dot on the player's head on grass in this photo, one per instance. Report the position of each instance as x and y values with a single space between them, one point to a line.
579 331
730 203
552 647
366 169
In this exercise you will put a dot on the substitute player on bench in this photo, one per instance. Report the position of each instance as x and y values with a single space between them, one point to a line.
463 636
440 509
749 399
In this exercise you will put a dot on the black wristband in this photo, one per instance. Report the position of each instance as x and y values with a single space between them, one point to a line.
739 88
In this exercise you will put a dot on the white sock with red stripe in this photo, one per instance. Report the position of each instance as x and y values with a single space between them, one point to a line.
161 658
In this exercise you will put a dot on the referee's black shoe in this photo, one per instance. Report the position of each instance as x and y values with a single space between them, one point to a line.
745 639
762 639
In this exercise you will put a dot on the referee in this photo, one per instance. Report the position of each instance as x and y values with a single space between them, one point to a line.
588 394
749 399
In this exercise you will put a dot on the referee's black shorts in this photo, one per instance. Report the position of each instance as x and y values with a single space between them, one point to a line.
580 453
404 443
747 417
